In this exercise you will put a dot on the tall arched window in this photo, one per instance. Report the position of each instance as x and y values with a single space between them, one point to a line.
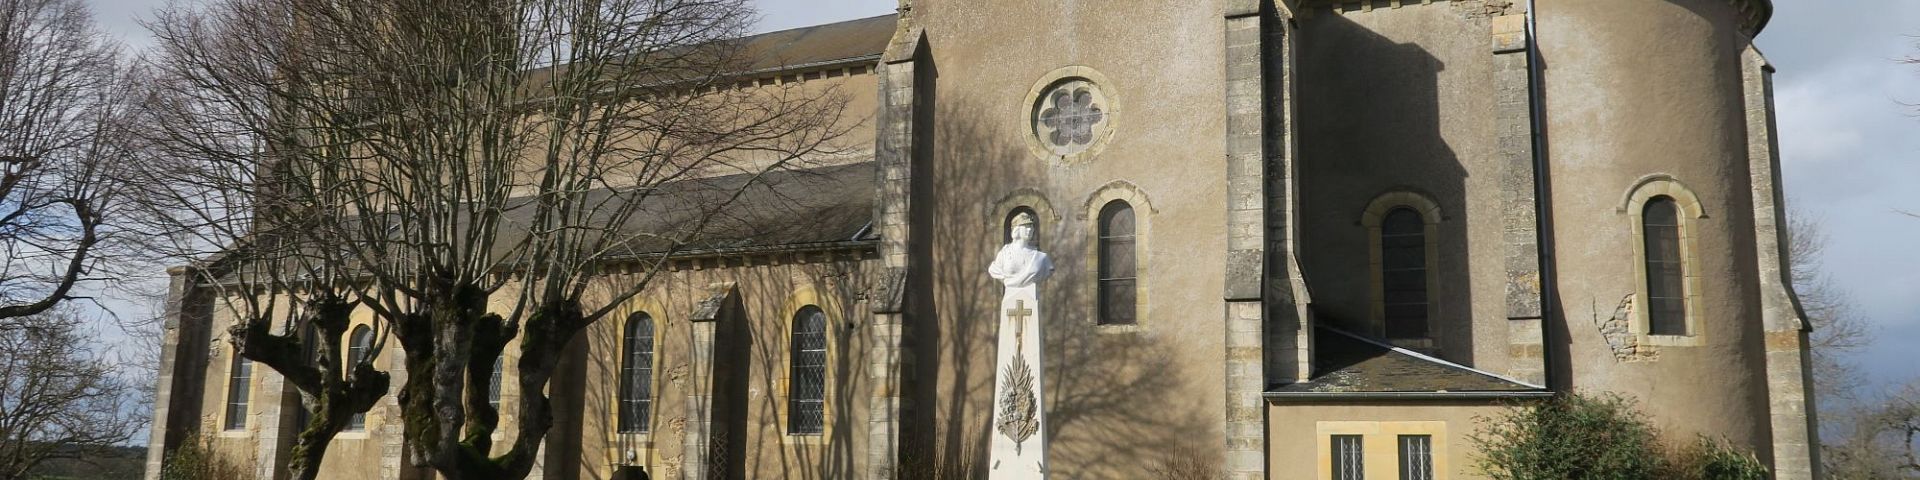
239 388
1117 266
807 377
1403 273
358 344
1666 276
636 374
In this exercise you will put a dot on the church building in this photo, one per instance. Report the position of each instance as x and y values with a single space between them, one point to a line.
1288 239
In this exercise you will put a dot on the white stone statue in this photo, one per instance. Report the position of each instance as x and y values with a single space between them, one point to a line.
1019 448
1019 265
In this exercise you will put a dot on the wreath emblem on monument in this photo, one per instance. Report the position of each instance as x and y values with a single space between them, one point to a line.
1017 404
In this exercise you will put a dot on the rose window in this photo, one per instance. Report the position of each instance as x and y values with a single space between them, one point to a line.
1070 117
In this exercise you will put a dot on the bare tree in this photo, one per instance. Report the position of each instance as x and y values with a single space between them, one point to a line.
57 398
1838 328
472 173
59 111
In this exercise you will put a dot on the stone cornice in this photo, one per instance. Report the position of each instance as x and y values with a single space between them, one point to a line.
1753 13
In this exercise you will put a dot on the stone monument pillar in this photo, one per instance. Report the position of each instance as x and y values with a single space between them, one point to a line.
1019 449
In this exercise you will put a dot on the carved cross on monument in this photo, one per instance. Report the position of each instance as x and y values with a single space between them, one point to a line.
1019 449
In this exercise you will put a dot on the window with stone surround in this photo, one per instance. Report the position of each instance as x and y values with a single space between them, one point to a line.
1402 230
1661 212
1072 115
636 374
807 373
493 389
1117 265
239 388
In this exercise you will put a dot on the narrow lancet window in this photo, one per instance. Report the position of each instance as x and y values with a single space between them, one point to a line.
1403 273
1666 291
1117 266
358 344
636 375
239 388
807 379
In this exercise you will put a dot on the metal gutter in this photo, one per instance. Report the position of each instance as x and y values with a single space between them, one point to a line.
1287 397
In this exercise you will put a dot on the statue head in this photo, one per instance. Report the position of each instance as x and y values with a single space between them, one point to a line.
1023 228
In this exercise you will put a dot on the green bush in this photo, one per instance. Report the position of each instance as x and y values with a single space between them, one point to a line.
1580 437
1709 459
195 459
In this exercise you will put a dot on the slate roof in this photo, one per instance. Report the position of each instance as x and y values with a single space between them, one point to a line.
846 41
1346 363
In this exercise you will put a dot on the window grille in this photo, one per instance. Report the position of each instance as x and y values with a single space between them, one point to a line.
807 380
493 388
1348 463
1666 292
636 375
358 344
239 388
1117 267
1403 273
1416 457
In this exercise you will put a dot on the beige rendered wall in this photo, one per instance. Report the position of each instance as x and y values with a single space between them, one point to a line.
1403 100
771 290
1117 396
1636 88
1300 448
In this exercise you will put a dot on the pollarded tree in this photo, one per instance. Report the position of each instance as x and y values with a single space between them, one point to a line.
472 172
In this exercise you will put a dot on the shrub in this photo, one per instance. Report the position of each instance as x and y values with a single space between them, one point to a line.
195 459
1579 437
1710 459
1571 437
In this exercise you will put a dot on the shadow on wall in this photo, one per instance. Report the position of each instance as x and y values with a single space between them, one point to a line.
1371 120
1113 400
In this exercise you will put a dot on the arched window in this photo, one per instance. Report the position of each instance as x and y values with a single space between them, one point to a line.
493 391
239 387
636 374
358 344
1666 275
1403 273
807 377
1117 266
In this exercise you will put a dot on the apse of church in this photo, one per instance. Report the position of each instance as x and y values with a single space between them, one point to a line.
1290 239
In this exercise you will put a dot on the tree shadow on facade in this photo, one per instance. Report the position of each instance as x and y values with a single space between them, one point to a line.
1370 124
1113 398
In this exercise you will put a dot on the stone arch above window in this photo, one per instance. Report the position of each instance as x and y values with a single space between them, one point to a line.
1663 213
1114 207
1030 200
1402 229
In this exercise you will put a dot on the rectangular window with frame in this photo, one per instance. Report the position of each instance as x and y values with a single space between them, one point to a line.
1416 457
1348 460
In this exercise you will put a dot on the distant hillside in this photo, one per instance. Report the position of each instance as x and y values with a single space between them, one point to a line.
119 463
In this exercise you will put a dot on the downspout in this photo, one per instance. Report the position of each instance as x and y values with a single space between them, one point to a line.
1536 86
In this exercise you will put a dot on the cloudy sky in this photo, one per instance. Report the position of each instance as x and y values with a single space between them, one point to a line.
1849 140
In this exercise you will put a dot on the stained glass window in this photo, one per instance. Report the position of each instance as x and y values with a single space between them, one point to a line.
239 388
1117 266
807 379
636 375
358 344
1666 292
1403 273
